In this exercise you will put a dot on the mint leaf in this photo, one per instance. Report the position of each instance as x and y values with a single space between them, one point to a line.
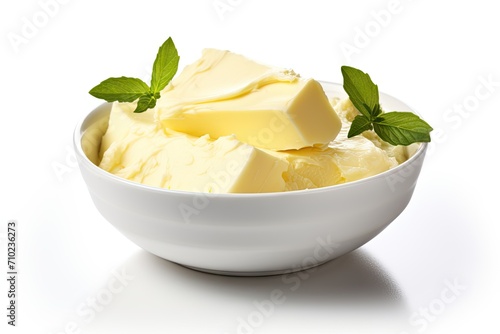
359 125
396 127
362 92
145 102
122 89
165 66
125 89
402 128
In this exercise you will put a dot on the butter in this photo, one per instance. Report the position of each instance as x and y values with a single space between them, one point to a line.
344 160
136 148
123 121
163 158
224 93
230 125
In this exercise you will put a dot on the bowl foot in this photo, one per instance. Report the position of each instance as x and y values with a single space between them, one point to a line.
253 273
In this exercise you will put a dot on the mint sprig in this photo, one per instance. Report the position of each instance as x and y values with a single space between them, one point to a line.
126 89
395 127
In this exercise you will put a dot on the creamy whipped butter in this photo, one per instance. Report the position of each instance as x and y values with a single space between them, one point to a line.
344 160
224 93
137 149
203 135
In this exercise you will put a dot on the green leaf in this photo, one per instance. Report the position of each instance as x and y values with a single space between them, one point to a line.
125 89
402 128
359 125
165 66
122 89
396 128
145 102
362 92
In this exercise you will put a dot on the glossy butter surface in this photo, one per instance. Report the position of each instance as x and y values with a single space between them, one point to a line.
224 93
136 147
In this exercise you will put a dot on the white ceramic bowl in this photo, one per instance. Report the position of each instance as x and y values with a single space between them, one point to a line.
248 234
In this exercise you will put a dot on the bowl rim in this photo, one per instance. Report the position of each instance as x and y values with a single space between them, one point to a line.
83 159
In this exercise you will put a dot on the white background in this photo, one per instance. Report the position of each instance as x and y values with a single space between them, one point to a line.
441 58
